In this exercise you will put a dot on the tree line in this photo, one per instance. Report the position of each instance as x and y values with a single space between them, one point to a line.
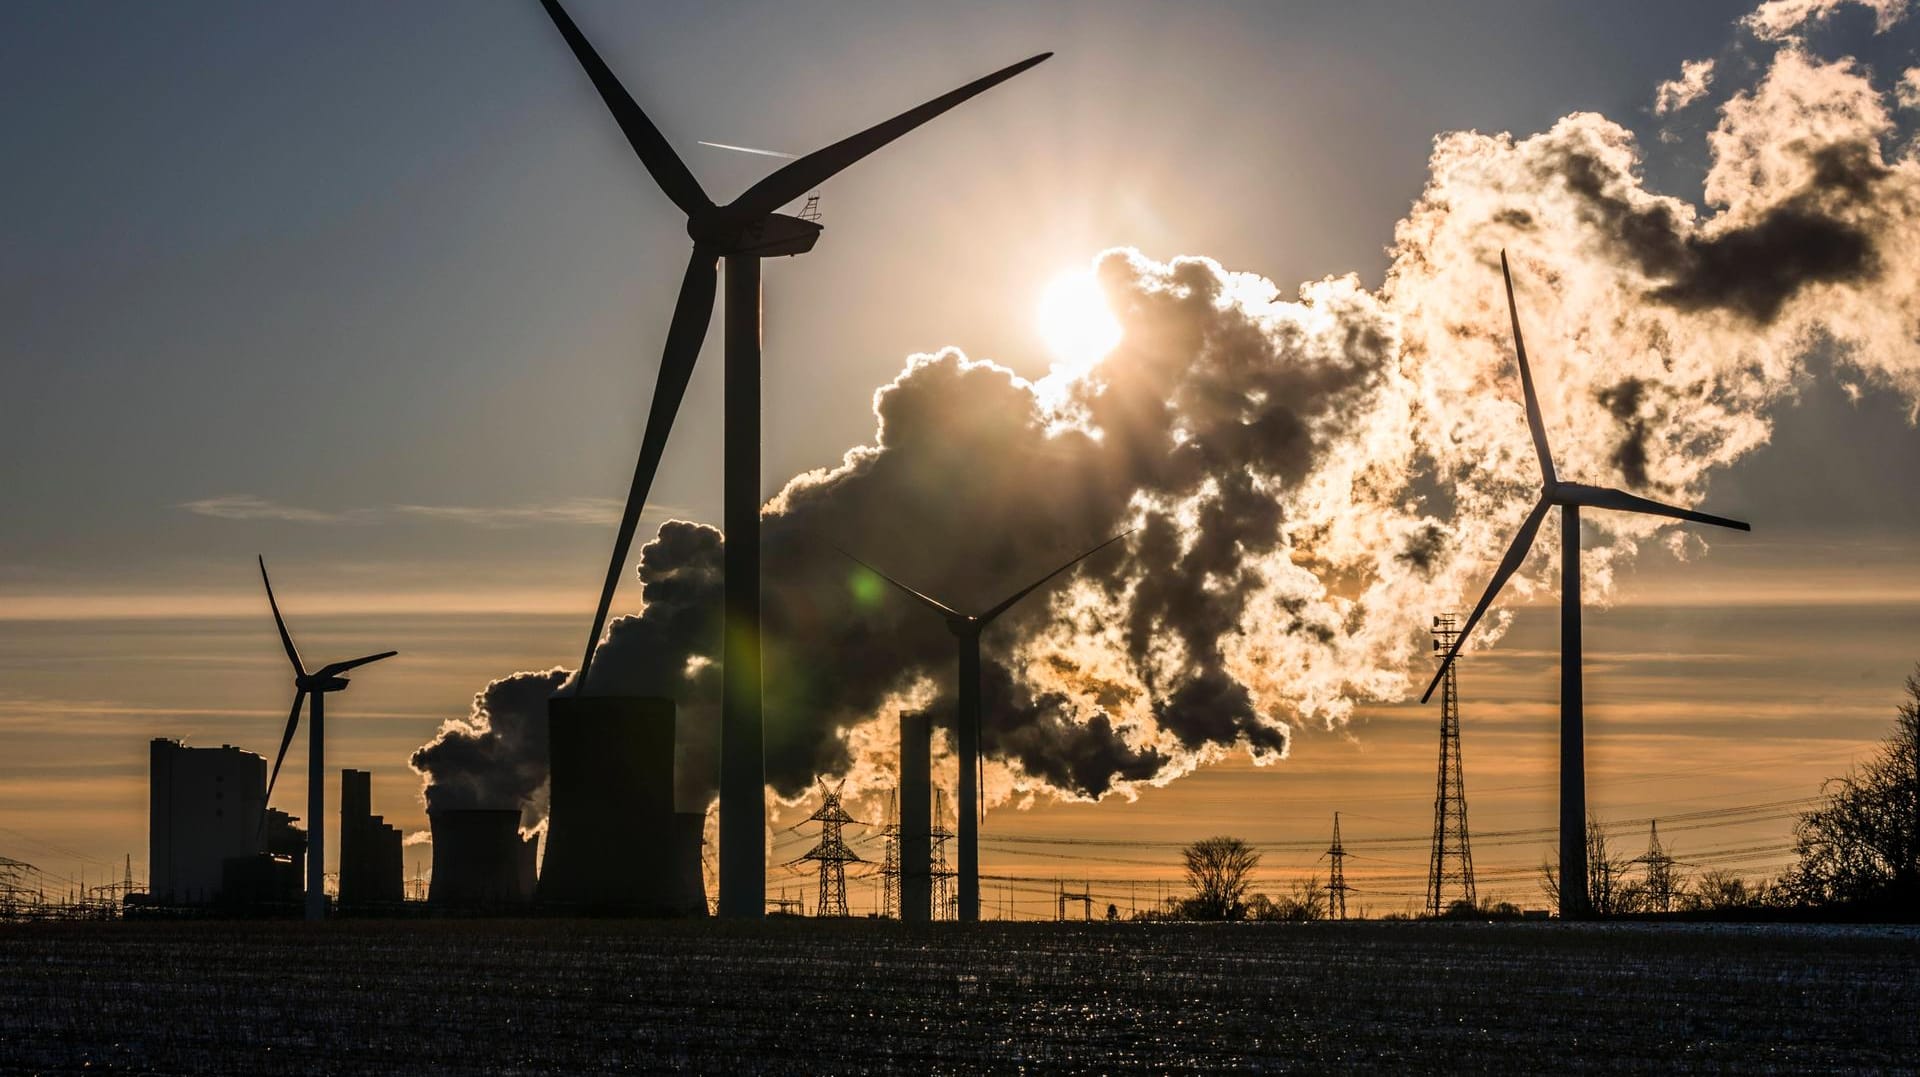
1857 852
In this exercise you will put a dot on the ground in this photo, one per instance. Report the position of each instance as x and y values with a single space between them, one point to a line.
801 996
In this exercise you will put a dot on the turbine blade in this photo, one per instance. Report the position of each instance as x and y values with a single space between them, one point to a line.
286 640
341 667
662 163
1534 423
1604 498
1516 553
293 724
930 602
796 179
1028 589
684 336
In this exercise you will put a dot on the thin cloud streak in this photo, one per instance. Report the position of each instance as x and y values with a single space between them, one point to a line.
565 512
249 507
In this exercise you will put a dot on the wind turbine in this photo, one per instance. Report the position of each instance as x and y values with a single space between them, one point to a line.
1570 497
743 232
316 684
966 629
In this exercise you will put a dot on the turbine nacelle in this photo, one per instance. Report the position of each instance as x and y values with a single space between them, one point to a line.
762 235
316 683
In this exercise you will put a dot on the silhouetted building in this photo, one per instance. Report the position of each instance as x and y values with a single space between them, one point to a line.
480 861
371 870
689 841
205 809
611 845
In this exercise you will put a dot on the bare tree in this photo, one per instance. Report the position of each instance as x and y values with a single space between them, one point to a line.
1863 841
1608 890
1220 870
1305 901
1719 888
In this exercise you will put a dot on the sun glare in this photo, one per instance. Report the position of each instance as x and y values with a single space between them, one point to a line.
1075 322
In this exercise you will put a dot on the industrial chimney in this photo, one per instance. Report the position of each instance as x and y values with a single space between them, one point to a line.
611 832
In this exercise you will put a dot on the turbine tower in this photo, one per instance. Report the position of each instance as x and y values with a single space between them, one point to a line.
317 685
743 232
966 629
1570 498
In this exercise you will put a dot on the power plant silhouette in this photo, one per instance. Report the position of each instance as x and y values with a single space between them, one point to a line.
743 232
1570 497
615 845
372 872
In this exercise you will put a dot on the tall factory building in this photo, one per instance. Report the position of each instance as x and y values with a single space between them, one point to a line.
205 809
370 861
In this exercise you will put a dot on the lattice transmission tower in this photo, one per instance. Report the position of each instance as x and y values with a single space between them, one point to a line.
946 903
890 864
1450 874
1337 875
831 853
1660 875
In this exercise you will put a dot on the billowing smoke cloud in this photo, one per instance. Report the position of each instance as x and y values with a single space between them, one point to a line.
496 757
1311 477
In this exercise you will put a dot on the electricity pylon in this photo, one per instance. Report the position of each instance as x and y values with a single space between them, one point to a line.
1451 868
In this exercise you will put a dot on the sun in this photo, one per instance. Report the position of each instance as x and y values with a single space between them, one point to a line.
1075 322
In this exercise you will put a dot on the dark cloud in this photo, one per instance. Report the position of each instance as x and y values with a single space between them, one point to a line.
1751 268
496 757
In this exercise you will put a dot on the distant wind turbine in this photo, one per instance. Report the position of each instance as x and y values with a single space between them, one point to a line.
743 232
966 629
317 685
1570 497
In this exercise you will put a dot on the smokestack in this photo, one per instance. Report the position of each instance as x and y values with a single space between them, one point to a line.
477 855
610 824
916 817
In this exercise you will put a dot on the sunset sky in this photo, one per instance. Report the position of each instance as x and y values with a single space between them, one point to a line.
378 291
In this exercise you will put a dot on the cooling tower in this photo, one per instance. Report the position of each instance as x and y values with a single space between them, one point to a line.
477 859
689 840
610 828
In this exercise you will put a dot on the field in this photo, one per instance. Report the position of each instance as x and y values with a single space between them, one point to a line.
864 996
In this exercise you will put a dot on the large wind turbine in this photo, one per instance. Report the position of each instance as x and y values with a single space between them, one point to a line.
317 684
1570 497
743 232
966 629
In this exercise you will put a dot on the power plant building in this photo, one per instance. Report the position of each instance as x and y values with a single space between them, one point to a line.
205 807
614 843
371 866
480 861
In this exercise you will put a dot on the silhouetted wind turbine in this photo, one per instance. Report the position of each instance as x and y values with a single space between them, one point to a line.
1570 497
966 629
317 684
743 232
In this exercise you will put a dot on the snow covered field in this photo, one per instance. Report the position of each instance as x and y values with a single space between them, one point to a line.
858 996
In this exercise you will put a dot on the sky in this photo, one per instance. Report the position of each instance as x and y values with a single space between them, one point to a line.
378 292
